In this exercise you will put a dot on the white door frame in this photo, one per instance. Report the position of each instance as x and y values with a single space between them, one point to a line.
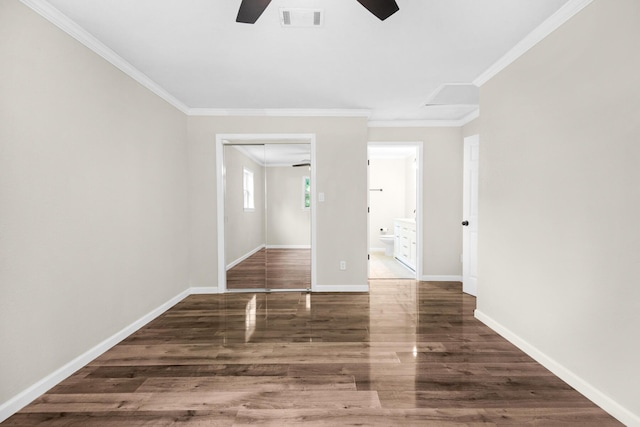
223 139
419 197
470 231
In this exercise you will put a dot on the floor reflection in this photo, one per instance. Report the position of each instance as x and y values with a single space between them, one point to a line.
250 318
382 266
406 353
272 269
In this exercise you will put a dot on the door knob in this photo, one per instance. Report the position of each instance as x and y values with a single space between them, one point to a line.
465 223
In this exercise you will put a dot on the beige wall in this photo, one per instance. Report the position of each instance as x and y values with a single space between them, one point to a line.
391 176
288 224
244 230
559 244
341 160
471 128
109 197
442 194
93 197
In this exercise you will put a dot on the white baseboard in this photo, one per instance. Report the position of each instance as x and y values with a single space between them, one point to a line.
441 278
28 395
605 402
288 246
22 399
204 290
341 288
243 257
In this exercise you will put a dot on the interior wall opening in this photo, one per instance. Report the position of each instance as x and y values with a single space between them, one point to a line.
394 238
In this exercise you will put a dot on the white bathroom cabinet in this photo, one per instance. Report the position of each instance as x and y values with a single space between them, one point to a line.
404 248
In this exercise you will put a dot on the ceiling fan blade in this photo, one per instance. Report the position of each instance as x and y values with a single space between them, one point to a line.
250 10
381 8
297 165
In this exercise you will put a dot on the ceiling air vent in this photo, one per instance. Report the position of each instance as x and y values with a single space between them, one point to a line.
301 17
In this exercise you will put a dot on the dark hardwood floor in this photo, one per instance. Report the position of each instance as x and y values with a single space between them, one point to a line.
272 269
407 353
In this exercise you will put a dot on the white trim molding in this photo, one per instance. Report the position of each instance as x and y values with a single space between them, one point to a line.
61 21
441 278
204 290
36 390
28 395
288 246
278 112
552 23
223 138
589 391
425 123
243 257
470 117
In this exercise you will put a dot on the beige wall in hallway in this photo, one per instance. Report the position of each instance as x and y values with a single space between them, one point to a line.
288 224
93 199
559 244
245 230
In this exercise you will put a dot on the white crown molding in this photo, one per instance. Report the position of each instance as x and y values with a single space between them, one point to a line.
413 123
563 14
278 112
592 393
53 15
60 20
28 395
425 123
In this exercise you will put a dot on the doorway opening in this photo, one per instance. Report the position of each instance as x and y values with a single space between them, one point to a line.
266 212
394 210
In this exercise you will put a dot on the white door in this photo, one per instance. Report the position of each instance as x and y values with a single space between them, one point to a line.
470 216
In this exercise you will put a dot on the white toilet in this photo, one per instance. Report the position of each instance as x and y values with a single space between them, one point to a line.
387 239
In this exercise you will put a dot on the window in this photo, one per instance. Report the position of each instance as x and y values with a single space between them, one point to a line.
306 192
247 186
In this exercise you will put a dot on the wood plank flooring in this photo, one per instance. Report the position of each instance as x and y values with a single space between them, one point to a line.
272 269
407 353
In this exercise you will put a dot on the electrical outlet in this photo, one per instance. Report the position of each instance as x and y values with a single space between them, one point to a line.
343 265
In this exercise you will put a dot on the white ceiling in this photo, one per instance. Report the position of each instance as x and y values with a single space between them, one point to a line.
391 151
274 154
195 51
